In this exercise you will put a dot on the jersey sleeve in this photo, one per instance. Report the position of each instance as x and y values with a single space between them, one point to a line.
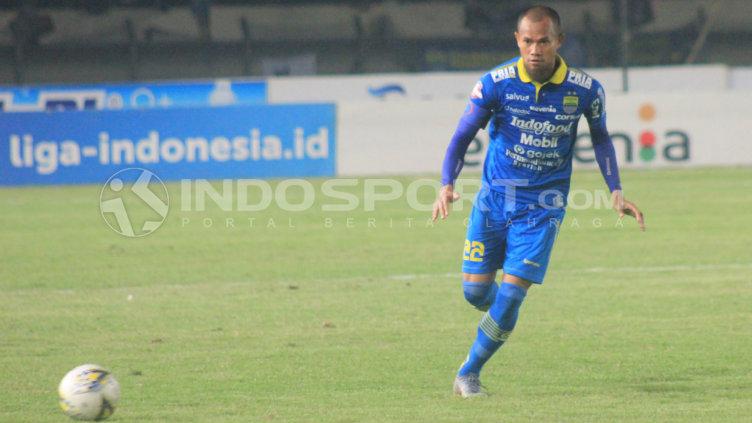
605 154
484 94
595 113
476 116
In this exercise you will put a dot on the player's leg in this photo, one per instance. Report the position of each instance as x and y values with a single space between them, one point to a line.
484 250
529 241
496 325
515 280
480 289
483 253
466 383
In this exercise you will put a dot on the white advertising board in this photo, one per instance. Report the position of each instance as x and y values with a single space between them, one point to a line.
395 137
648 131
457 85
374 87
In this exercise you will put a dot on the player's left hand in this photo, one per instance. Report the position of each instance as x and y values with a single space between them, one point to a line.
625 207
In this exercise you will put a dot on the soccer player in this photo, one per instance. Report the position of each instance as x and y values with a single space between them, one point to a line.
533 103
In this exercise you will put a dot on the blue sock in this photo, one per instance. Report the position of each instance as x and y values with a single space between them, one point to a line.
494 328
480 294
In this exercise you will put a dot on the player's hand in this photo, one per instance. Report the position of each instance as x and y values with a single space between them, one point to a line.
446 197
625 207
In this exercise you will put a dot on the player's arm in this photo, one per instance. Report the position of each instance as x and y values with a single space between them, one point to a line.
605 155
476 116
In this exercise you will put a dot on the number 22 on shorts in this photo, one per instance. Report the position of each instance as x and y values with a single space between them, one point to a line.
473 251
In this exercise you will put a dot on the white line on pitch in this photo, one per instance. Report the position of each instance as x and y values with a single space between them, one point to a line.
633 269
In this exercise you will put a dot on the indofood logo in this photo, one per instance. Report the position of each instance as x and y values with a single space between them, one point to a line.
541 127
671 145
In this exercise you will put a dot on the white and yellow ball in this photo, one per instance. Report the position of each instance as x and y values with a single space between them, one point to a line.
89 392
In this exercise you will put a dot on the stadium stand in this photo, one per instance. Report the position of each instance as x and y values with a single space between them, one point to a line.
136 40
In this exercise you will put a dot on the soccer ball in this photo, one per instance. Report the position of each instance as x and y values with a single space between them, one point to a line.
88 392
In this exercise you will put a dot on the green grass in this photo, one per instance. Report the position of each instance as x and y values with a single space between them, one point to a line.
357 324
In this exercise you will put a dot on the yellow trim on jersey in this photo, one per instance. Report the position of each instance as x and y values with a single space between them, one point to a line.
556 78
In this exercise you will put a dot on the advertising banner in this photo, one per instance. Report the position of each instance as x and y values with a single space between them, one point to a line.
375 87
657 130
220 142
220 92
434 86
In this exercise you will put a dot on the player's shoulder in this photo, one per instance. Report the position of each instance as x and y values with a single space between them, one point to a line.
582 79
503 72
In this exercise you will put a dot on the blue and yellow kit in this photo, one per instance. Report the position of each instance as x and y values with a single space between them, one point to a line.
528 166
534 126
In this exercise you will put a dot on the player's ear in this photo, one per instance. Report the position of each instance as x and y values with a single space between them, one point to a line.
517 38
559 40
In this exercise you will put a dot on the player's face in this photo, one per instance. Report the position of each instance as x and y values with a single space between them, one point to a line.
538 43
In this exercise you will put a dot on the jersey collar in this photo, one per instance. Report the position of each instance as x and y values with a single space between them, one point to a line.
556 78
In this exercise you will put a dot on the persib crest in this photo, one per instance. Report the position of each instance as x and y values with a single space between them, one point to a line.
570 103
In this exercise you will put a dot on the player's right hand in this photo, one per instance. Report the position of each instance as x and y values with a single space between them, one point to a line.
446 197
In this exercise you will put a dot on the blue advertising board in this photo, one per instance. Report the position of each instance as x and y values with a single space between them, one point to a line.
167 94
262 141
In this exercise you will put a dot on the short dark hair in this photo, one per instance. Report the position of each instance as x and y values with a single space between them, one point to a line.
538 13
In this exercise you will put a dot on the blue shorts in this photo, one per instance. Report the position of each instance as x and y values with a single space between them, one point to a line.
515 237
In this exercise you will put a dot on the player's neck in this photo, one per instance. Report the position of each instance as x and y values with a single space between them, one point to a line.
543 77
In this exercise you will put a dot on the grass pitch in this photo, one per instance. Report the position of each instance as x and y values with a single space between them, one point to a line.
309 319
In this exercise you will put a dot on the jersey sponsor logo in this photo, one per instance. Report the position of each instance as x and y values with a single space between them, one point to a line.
515 96
544 109
531 263
567 117
503 73
536 154
570 103
580 79
516 110
596 107
545 142
541 127
534 160
477 90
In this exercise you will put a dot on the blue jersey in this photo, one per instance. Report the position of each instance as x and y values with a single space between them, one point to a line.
533 127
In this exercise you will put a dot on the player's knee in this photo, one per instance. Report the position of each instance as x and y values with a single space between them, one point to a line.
480 294
506 306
